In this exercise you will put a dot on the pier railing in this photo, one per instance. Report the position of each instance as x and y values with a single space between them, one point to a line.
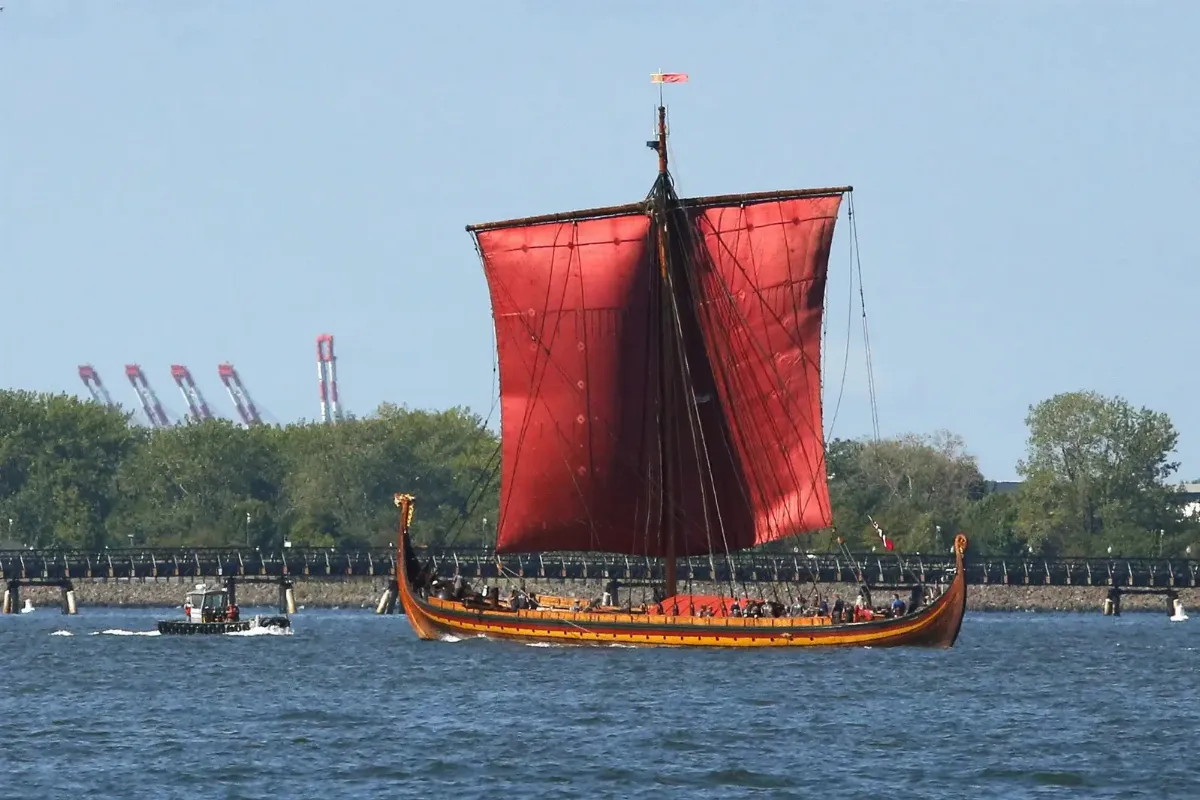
332 564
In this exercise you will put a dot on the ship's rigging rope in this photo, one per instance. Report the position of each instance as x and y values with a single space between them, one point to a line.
837 407
857 255
824 347
539 374
699 440
692 246
721 374
547 362
696 427
544 363
855 266
483 481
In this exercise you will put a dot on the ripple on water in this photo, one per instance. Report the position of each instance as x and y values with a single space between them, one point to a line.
352 705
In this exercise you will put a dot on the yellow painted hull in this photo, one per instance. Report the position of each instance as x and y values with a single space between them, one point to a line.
936 625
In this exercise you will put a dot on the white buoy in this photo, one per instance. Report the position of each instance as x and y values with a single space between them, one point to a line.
28 607
1179 615
386 602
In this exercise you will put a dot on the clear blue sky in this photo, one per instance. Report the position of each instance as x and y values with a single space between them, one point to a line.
194 182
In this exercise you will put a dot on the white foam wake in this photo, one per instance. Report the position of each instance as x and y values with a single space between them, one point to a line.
262 632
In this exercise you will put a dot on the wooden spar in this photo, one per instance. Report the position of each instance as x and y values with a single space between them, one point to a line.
641 207
667 508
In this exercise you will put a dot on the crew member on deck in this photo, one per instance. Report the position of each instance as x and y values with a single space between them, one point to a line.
898 607
915 597
610 593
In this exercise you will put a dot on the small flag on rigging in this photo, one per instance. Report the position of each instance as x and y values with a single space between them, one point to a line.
887 543
668 77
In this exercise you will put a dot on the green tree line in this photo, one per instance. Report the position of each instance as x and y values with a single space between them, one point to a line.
1097 475
1096 480
80 475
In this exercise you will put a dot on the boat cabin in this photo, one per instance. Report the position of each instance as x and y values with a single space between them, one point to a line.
206 604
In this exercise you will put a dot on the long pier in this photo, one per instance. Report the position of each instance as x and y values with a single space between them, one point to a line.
60 567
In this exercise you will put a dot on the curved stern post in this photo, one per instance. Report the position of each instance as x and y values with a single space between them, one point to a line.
408 571
959 587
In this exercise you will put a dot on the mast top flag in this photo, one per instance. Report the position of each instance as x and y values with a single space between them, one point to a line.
666 77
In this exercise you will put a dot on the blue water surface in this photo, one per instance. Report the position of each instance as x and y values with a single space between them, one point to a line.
352 705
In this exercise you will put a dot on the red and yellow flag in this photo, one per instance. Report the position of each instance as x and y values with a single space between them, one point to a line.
668 77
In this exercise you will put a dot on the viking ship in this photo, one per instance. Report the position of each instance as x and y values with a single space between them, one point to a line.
660 396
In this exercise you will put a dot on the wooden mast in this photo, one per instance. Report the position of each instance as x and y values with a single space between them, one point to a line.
667 364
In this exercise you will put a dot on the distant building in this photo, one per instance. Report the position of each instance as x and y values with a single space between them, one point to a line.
1189 495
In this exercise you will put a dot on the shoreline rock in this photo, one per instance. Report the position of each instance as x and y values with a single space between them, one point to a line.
365 593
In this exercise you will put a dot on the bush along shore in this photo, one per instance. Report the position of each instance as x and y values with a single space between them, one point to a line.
364 593
84 476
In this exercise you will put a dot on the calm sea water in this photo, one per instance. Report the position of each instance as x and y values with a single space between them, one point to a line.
352 705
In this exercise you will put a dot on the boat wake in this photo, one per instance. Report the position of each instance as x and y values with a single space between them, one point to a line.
450 637
267 631
123 632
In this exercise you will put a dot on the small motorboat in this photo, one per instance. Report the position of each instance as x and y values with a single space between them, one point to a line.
209 610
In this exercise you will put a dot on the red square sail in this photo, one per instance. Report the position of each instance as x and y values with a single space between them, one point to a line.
762 300
577 304
572 308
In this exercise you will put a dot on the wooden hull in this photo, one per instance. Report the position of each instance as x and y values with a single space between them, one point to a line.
935 625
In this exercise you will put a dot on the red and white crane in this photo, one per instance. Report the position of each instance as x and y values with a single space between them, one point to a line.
239 395
91 379
191 393
327 379
153 408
